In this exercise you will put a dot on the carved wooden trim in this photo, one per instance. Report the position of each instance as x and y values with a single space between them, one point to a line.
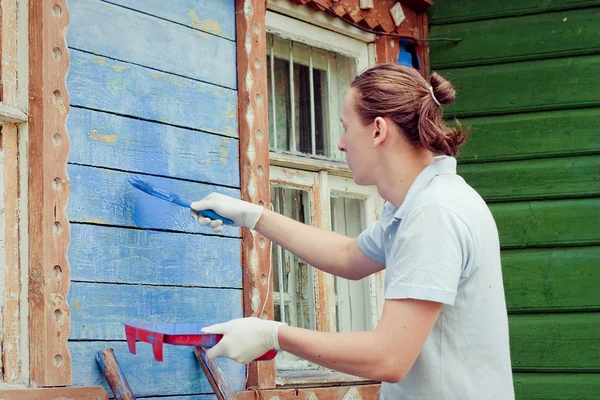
72 393
254 167
364 392
49 233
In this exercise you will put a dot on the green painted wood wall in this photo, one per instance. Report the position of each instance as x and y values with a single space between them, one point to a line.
527 75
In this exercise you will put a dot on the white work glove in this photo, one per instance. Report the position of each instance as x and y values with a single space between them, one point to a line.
244 339
240 212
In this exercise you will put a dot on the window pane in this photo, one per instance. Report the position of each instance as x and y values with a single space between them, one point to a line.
352 307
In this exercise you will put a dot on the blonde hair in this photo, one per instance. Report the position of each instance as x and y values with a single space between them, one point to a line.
402 95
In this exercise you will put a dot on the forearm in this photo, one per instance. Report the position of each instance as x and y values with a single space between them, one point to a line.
320 248
356 353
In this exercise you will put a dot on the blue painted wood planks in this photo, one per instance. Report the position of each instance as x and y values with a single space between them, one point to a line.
134 256
212 16
112 141
100 83
179 374
151 42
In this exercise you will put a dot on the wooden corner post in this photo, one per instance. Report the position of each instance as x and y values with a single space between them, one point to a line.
254 167
49 235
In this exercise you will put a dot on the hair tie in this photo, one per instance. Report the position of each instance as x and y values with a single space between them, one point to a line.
433 96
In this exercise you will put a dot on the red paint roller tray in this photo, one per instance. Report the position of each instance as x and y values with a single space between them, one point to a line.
175 334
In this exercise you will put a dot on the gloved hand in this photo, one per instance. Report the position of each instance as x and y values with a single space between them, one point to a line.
244 339
240 212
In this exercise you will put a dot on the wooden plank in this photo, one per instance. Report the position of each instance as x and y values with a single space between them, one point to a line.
254 169
212 16
548 223
113 374
99 310
49 234
556 34
365 392
535 179
555 342
103 84
214 375
179 374
105 197
535 386
552 279
63 393
526 136
118 255
111 141
452 11
151 42
525 86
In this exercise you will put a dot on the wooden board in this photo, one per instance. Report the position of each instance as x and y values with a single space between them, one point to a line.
535 386
552 279
555 342
105 197
151 42
112 141
98 311
451 11
532 135
548 223
100 83
133 256
557 34
179 374
535 179
526 86
212 16
63 393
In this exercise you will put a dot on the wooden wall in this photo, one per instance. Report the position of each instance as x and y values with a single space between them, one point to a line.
527 80
153 92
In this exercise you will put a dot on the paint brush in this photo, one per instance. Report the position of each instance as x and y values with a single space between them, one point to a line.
163 194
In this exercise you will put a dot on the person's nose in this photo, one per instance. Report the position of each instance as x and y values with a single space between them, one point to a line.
342 144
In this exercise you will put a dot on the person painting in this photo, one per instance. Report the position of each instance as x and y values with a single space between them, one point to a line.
443 332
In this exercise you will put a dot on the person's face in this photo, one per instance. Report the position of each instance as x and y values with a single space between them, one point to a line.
356 141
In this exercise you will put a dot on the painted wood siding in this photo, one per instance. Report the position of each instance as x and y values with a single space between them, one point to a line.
526 74
153 92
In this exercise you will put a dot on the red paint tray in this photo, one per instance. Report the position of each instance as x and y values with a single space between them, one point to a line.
175 334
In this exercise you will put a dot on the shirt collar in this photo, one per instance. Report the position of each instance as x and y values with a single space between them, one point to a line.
441 165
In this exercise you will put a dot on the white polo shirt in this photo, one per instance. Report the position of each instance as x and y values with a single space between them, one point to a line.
442 245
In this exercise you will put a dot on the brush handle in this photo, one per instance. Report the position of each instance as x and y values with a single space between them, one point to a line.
214 216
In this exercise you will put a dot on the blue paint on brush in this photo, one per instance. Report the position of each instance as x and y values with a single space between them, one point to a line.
163 194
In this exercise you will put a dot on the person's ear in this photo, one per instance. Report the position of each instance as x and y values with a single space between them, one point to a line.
381 132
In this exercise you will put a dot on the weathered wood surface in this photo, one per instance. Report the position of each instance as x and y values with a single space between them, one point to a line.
556 386
557 279
366 392
555 342
526 86
133 256
452 11
535 179
532 135
548 223
178 375
61 393
100 83
557 34
98 311
115 378
111 141
151 42
212 16
214 375
105 197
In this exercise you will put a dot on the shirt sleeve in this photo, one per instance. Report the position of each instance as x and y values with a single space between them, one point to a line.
428 256
370 242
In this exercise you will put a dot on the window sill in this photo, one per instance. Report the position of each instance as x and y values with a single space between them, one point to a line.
317 378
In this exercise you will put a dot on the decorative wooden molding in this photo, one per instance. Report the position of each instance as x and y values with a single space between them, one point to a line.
49 233
72 393
254 167
364 392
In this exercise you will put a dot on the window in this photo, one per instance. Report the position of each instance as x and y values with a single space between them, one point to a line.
308 71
